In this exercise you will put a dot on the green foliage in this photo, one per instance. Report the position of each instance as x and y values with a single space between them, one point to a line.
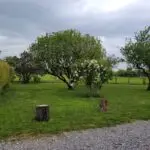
113 61
26 67
13 74
127 73
63 52
96 73
5 76
137 52
12 60
36 79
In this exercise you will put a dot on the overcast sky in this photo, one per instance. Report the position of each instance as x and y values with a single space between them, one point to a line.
21 21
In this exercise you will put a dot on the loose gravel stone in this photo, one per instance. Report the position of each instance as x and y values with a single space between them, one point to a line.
133 136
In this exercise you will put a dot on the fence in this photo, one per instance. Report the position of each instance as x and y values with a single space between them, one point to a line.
129 80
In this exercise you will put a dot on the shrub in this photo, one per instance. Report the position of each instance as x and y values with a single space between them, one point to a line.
5 76
12 74
36 79
95 75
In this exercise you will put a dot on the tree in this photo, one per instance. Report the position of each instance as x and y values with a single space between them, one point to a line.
121 73
26 67
12 60
137 52
62 53
129 72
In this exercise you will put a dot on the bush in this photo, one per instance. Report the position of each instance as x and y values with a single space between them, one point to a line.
12 74
5 76
36 79
95 75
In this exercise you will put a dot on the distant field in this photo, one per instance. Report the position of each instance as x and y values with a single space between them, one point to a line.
131 80
49 78
46 78
120 80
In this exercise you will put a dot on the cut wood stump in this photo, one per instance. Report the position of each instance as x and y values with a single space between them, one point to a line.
103 105
42 113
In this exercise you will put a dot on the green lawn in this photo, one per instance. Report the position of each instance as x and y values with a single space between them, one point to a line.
70 110
49 78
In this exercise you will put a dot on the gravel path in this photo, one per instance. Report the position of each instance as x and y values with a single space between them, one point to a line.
134 136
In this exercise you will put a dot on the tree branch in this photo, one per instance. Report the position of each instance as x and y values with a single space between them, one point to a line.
144 71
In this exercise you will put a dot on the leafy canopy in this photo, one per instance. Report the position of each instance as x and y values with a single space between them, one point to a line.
137 51
26 67
5 75
62 53
96 73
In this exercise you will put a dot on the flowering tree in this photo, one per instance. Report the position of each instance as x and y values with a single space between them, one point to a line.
62 53
96 73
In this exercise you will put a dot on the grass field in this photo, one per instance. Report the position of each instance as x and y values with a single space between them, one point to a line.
131 80
120 80
69 110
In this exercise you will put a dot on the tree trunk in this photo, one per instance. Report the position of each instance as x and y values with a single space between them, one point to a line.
70 86
25 79
148 88
147 74
144 81
128 80
42 113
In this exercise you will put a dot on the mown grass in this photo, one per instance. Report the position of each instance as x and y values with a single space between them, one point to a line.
69 110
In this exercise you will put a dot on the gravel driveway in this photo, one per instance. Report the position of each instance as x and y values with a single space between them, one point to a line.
134 136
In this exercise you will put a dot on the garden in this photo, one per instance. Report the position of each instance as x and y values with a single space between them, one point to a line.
72 73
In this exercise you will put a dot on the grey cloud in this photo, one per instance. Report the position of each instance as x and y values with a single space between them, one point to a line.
20 18
27 16
121 23
23 20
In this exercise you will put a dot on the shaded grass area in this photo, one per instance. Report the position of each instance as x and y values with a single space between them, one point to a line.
70 110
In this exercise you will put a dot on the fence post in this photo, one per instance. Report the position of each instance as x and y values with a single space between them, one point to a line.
115 79
128 80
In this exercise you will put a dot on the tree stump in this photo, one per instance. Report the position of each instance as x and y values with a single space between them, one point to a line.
103 105
42 113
